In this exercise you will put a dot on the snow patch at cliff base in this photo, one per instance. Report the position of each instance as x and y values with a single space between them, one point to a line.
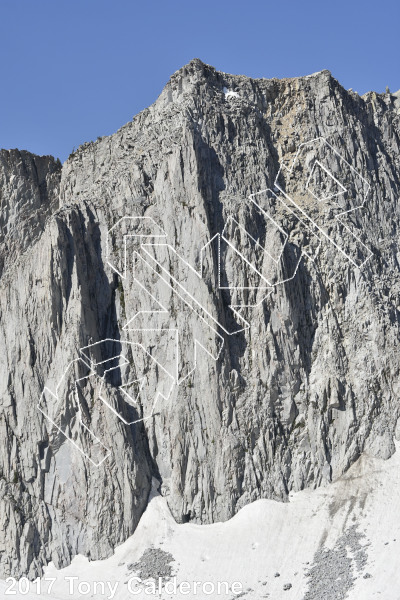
342 540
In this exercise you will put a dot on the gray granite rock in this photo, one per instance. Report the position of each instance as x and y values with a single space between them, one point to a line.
291 403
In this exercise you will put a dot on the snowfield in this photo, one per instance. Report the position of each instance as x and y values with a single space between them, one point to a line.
341 541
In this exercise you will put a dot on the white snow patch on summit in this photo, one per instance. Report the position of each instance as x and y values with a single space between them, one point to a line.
230 93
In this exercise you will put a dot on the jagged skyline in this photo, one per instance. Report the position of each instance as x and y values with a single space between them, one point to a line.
74 71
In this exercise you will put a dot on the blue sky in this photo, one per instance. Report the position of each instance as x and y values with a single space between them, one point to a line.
73 70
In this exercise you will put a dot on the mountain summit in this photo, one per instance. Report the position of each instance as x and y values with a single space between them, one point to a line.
209 297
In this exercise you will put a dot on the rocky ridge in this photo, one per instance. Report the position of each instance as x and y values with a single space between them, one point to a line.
291 402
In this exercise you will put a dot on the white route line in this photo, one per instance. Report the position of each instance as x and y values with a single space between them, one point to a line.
93 365
338 217
145 220
152 231
57 399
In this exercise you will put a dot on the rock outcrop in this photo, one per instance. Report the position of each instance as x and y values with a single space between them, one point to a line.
290 401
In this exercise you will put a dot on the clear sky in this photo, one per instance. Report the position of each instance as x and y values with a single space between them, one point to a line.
72 70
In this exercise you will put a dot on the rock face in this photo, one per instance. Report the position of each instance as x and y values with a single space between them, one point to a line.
290 401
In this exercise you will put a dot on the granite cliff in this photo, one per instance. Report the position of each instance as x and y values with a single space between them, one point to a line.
284 393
